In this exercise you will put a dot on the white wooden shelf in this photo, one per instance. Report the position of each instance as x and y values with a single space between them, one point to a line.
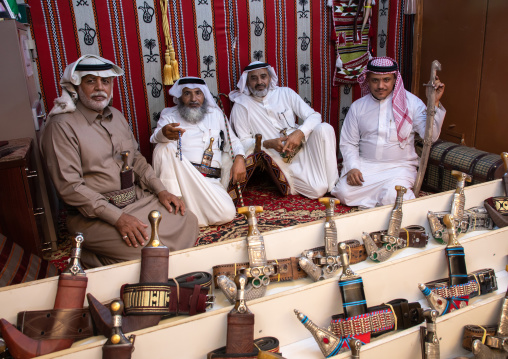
193 337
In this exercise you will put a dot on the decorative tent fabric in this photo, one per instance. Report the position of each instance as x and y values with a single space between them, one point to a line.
213 39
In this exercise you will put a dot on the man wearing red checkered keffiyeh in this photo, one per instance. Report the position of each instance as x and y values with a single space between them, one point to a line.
377 138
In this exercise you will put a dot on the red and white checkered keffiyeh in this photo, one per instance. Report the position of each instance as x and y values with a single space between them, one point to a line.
403 122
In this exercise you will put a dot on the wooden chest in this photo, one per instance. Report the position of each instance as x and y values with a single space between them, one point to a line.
447 156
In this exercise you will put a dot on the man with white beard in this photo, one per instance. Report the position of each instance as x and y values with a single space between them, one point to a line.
82 145
262 107
184 135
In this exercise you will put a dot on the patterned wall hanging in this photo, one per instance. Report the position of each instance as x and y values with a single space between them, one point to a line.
213 39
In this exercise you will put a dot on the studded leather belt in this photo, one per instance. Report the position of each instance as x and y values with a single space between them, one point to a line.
288 269
212 172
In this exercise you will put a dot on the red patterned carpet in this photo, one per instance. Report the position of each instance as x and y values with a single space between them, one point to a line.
278 212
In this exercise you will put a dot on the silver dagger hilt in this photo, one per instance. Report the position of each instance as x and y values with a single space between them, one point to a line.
117 336
430 340
75 268
355 345
328 343
395 218
459 198
449 222
331 243
347 272
241 283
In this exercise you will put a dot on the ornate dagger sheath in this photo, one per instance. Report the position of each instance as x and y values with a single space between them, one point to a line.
328 343
70 294
428 336
259 271
240 336
126 172
319 267
459 198
396 218
457 270
351 287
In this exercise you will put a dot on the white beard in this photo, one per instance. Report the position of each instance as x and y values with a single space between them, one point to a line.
90 103
257 93
193 115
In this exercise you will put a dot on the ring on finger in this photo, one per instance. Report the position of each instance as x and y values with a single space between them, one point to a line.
125 237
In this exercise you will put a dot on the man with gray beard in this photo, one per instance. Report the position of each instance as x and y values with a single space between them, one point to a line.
82 145
197 154
305 153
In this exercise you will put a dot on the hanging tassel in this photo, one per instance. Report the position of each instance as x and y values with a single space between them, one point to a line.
168 71
171 72
174 65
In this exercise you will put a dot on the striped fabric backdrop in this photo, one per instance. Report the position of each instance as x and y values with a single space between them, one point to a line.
213 39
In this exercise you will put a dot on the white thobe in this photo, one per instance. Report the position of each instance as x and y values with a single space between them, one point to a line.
369 143
313 171
206 197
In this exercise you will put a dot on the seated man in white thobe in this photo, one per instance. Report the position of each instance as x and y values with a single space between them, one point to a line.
377 138
262 107
183 134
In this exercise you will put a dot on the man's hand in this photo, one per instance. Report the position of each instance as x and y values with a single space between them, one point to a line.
171 130
167 198
238 170
132 230
354 177
293 141
276 143
439 87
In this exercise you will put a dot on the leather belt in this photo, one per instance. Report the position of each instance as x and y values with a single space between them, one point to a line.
56 324
473 332
480 282
77 324
268 344
212 172
396 314
493 206
287 269
186 294
474 219
121 198
412 236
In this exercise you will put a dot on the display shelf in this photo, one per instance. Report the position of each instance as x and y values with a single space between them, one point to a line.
104 282
319 300
193 337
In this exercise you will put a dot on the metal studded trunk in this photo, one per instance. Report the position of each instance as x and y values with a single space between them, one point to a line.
448 156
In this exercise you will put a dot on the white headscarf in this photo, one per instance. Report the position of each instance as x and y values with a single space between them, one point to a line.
242 84
85 65
191 83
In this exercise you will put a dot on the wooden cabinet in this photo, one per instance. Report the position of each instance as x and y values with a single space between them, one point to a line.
468 37
21 112
21 214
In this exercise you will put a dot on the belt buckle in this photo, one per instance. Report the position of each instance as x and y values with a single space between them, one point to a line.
210 300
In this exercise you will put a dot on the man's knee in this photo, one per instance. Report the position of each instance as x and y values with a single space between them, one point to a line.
323 130
340 190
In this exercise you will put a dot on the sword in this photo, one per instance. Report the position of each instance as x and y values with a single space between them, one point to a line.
319 267
259 270
429 127
428 336
459 198
240 335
